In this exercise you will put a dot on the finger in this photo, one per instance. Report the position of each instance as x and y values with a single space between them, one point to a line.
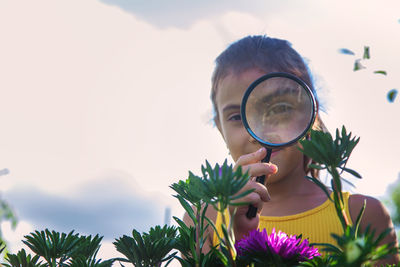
262 191
252 157
259 193
255 200
259 169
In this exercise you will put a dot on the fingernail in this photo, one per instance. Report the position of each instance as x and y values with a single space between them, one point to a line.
273 168
261 150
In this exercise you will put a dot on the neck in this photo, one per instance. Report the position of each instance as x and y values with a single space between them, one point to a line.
294 184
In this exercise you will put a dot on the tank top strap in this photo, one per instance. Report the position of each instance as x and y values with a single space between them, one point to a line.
218 225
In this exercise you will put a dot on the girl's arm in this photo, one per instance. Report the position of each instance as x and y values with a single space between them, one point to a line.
377 217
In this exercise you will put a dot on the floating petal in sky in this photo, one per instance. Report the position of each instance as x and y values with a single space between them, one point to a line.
346 51
366 53
358 65
383 72
392 95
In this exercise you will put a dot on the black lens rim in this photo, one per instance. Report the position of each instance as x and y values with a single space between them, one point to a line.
262 79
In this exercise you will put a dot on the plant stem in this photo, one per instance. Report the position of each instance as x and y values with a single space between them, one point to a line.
337 189
230 250
198 251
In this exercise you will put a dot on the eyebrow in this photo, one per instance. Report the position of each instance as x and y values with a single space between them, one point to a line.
276 93
230 107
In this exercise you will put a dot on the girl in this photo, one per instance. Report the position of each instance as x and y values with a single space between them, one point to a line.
287 201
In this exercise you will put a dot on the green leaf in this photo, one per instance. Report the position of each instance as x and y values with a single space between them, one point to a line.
383 72
6 212
358 220
245 193
221 256
52 245
353 172
382 235
24 260
320 185
346 51
328 247
187 208
180 222
237 204
210 222
313 149
308 150
358 65
316 166
366 53
348 182
86 248
391 96
148 249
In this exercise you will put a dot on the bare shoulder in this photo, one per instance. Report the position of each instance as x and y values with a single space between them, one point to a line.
375 212
377 217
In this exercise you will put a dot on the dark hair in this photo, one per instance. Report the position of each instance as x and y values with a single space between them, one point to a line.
266 54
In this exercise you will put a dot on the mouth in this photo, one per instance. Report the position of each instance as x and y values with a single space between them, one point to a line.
275 151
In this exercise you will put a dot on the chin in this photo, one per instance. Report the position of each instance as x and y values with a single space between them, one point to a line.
273 179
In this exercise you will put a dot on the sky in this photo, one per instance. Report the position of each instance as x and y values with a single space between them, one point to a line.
106 103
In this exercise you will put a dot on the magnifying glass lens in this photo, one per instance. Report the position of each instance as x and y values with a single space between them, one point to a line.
279 110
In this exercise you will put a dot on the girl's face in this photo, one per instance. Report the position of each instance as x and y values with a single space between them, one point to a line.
229 96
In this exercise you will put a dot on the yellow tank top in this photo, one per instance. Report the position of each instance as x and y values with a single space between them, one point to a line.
316 224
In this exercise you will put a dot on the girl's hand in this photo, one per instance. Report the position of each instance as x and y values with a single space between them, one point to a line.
251 163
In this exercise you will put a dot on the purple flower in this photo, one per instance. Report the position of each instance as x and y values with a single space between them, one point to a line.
287 247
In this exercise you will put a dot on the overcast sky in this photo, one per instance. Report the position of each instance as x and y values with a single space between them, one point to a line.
106 103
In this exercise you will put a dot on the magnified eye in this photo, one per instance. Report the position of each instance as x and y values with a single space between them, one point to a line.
280 108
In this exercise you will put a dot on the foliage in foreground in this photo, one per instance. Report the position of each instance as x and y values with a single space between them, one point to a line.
55 249
218 187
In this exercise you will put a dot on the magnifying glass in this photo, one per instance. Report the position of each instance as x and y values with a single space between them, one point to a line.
277 110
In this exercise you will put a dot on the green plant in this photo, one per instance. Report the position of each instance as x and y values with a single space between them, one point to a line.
354 248
24 260
58 250
219 187
149 249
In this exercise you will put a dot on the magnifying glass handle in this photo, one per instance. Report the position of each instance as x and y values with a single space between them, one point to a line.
251 213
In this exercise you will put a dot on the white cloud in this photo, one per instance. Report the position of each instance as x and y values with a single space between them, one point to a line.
15 236
111 206
183 14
